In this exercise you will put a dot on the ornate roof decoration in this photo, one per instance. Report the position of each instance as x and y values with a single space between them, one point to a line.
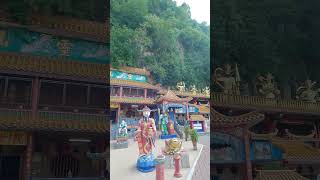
55 66
297 151
170 96
203 109
279 175
249 119
121 82
197 118
133 70
190 94
264 136
130 100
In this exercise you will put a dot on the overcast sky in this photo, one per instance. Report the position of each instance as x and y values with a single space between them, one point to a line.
200 9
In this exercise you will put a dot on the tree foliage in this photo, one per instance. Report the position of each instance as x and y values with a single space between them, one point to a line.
280 37
161 36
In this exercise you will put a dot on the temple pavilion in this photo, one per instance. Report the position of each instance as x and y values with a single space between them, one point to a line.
263 133
133 88
53 91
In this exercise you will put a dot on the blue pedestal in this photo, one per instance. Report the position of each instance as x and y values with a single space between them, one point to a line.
169 136
146 163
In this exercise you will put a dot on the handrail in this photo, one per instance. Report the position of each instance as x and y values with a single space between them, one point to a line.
261 103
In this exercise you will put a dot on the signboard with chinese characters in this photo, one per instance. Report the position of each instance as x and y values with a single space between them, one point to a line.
127 76
20 40
13 138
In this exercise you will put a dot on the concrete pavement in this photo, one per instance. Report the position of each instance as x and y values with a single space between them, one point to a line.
202 170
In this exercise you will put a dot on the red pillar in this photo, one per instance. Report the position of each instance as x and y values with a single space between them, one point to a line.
35 97
118 113
248 165
187 111
145 93
121 91
177 166
28 156
160 167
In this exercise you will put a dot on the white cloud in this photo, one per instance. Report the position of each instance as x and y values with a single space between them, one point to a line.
200 9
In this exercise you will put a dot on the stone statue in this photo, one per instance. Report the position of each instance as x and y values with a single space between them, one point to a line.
181 86
123 132
206 91
267 86
308 92
146 132
163 124
193 89
229 78
145 136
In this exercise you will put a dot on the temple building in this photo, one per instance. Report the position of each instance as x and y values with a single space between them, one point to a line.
133 88
53 91
263 135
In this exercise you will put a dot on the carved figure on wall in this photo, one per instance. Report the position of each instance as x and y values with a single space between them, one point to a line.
267 87
181 86
308 92
229 78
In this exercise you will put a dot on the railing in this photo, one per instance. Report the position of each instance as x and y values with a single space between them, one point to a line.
261 103
58 116
15 114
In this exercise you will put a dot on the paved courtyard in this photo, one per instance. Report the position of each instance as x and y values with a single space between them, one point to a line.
123 162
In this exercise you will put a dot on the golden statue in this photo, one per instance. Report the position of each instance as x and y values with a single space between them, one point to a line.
230 79
193 89
181 86
308 92
206 91
267 87
172 146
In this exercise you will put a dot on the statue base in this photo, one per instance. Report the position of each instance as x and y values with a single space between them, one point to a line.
146 163
120 145
184 161
168 136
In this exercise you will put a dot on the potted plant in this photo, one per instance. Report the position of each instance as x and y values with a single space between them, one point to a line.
194 138
186 131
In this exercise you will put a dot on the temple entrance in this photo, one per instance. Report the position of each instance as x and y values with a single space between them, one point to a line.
10 167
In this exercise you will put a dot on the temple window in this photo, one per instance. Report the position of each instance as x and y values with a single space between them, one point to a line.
134 92
126 91
98 96
2 88
19 91
76 95
51 93
140 92
115 91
